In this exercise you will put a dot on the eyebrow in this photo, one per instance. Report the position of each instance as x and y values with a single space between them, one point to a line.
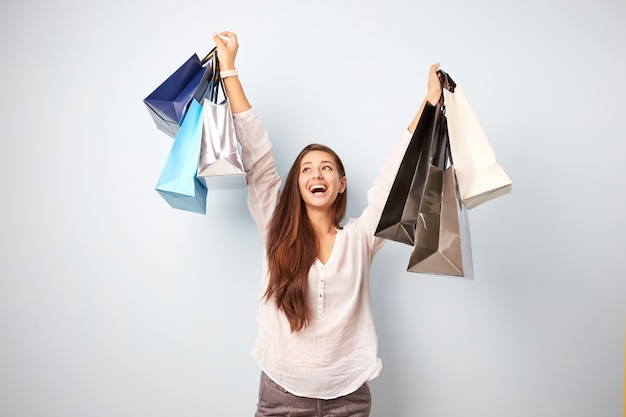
323 162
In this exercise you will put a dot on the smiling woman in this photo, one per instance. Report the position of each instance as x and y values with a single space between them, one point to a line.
322 179
316 343
303 228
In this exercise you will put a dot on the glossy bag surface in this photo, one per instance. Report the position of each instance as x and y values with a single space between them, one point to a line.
442 237
400 213
443 240
424 207
220 165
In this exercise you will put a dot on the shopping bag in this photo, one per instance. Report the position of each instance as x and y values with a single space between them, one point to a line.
480 177
442 236
220 165
443 240
400 213
168 103
178 183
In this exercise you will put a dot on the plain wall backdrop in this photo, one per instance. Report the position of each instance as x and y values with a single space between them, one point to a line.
114 304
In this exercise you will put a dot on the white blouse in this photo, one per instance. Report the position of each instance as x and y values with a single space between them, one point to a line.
338 351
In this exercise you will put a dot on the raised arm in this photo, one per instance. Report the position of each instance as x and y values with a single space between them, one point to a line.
432 96
261 175
227 46
377 195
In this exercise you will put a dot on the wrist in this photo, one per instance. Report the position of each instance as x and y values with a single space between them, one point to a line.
433 98
229 73
226 64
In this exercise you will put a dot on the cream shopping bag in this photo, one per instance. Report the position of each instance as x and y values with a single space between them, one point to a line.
480 178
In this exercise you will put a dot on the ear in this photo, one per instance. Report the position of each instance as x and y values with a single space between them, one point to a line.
343 183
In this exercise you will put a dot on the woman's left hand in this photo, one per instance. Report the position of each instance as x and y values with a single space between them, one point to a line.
434 86
433 96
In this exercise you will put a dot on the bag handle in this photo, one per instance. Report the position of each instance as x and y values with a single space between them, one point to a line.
215 82
209 56
442 157
440 134
446 81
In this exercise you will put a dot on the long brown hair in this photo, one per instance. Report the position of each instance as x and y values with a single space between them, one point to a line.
292 244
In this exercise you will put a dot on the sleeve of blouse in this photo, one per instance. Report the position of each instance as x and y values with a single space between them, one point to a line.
261 176
377 195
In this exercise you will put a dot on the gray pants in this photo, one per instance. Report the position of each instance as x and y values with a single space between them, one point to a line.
274 401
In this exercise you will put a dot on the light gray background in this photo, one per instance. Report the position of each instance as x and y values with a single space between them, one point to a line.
114 304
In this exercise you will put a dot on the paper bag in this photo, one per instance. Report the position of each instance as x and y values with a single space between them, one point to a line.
169 102
178 183
220 165
443 241
400 213
480 178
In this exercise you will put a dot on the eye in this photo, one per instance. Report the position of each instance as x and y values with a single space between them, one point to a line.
306 169
327 168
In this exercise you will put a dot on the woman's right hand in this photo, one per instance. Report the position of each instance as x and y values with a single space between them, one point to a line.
227 46
226 49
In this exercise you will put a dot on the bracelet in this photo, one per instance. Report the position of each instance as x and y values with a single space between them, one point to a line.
229 73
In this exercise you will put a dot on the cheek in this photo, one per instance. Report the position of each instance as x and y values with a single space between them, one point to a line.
301 184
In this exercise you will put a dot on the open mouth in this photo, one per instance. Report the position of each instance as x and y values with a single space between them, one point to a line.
317 189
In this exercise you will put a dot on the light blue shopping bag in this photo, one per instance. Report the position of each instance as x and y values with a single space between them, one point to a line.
178 183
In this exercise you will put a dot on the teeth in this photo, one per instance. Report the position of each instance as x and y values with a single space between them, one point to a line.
317 188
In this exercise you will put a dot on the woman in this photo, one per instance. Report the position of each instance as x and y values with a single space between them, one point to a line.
316 343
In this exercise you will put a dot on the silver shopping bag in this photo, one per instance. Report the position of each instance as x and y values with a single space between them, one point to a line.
220 165
442 236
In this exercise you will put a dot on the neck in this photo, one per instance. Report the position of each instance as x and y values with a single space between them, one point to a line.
322 221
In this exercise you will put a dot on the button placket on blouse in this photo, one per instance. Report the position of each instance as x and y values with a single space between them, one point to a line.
321 283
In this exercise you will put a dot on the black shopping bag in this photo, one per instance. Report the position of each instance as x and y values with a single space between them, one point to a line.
399 216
